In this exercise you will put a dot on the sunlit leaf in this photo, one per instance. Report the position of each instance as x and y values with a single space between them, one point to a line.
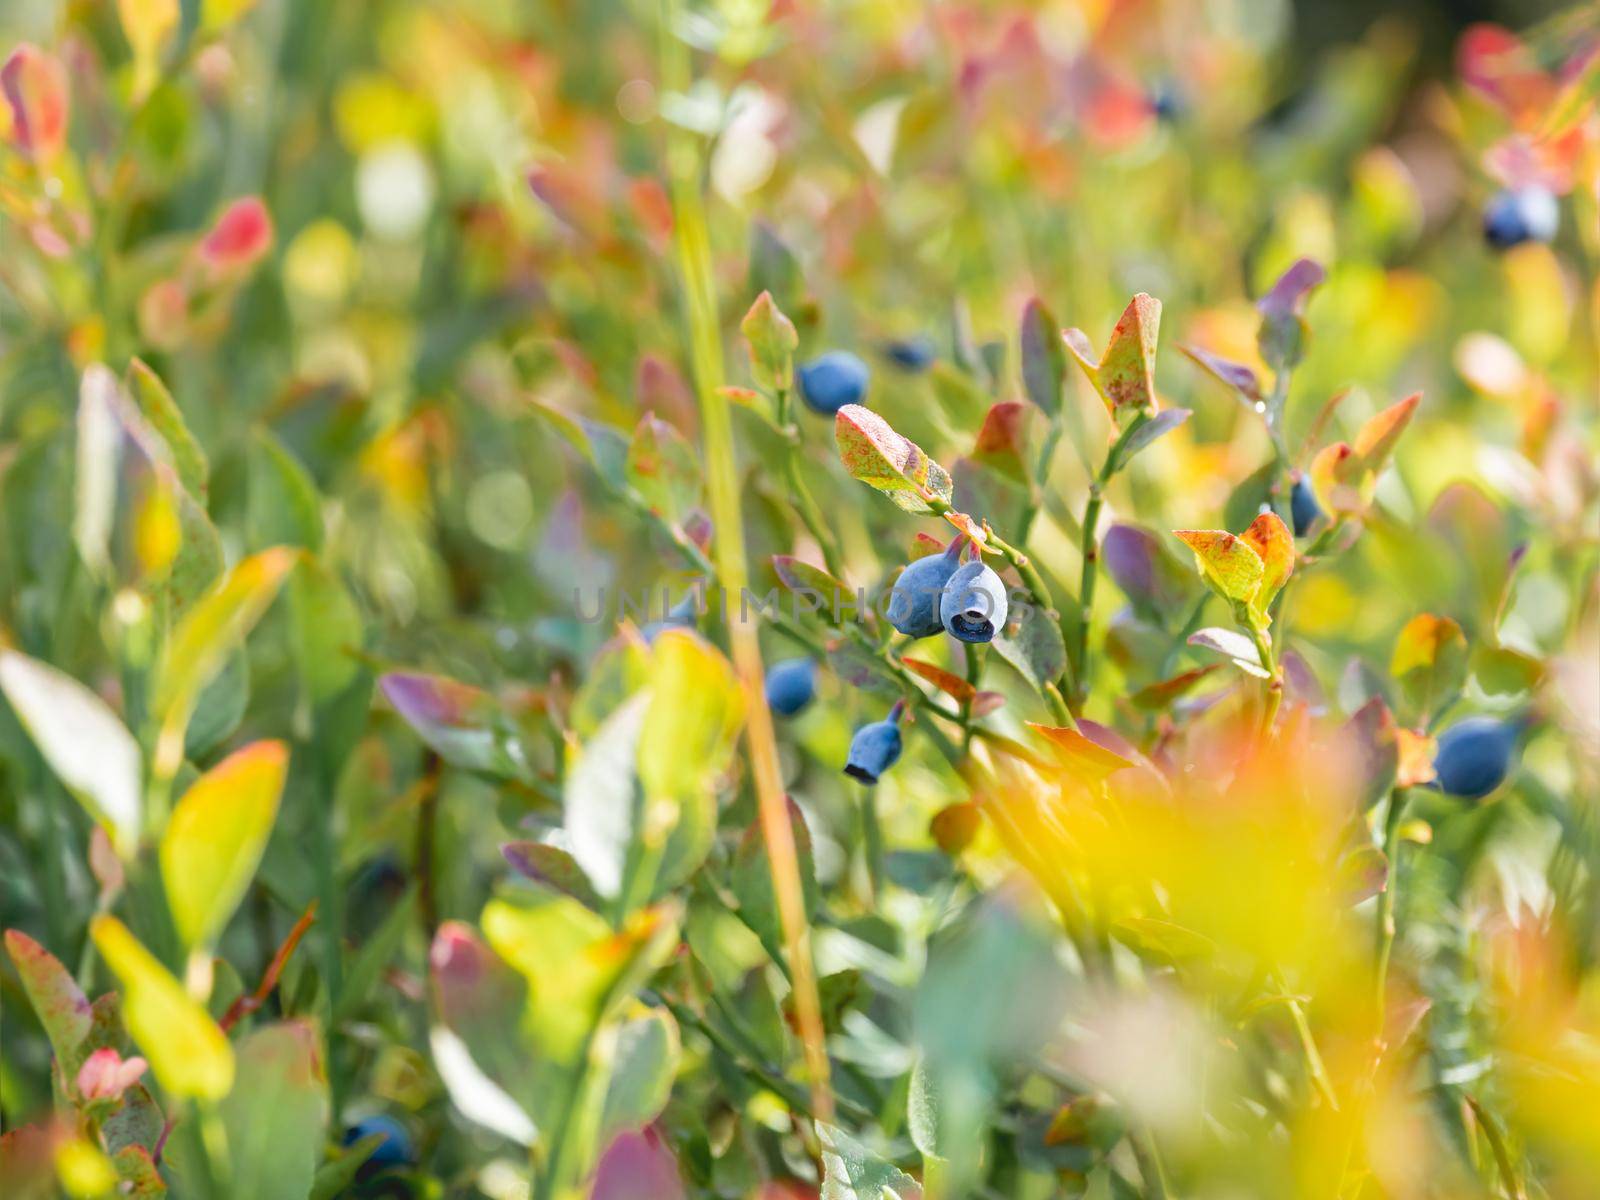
166 418
187 1051
1430 660
772 340
696 708
948 683
1234 645
99 439
1125 375
216 836
204 638
148 25
1232 374
34 85
851 1172
663 468
63 717
1086 758
878 456
1375 441
1270 538
1229 564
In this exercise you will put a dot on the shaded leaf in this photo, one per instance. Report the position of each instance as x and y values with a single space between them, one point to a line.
1032 643
751 881
1004 440
644 1063
772 340
57 1001
1231 374
1044 364
851 1172
275 1124
1233 645
1162 423
1157 696
464 725
663 468
553 867
166 418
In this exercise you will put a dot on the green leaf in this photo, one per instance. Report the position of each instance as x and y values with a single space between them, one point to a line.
751 881
1430 660
772 340
188 1052
328 631
598 796
63 717
1044 360
57 1001
663 468
1032 643
374 956
284 507
852 1172
216 836
334 1179
879 457
208 633
275 1124
644 1064
813 586
166 418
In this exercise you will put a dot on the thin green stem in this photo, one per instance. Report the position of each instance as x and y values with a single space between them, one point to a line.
1497 1147
1273 697
1089 545
1386 900
1308 1046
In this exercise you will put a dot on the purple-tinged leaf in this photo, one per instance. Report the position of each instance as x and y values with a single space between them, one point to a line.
1162 423
1155 582
1235 375
461 723
1287 296
1369 739
1044 365
638 1164
553 867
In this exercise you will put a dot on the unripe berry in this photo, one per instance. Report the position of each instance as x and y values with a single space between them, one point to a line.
832 380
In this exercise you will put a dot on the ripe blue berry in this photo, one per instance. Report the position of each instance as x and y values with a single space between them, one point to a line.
1516 215
875 748
394 1151
791 685
1303 506
829 382
973 607
1474 756
1167 102
914 599
913 354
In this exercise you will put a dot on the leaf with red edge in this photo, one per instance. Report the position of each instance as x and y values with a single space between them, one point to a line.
1229 564
57 1001
1158 695
34 85
881 458
1376 439
1339 479
663 468
951 684
1125 375
1003 441
1270 538
772 340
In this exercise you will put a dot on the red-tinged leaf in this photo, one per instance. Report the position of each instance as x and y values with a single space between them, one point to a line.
1004 441
461 723
1270 538
240 238
1125 375
1230 565
881 458
35 88
1159 695
1044 365
1086 758
924 544
1232 374
985 703
553 867
481 999
951 685
1368 737
57 1001
663 468
1339 480
638 1164
1414 753
772 341
1362 874
1376 440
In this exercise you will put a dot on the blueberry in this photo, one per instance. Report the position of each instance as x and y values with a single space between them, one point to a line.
973 607
1474 756
1303 506
875 747
1167 102
1516 215
831 381
914 599
791 685
685 614
914 354
394 1151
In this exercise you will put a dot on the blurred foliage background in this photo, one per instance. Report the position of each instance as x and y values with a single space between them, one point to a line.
348 371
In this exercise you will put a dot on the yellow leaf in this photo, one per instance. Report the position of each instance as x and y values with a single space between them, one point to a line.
216 837
148 26
157 532
1229 564
202 641
1274 545
186 1049
695 711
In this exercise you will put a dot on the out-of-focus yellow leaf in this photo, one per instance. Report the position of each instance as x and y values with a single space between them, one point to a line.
148 25
203 640
216 836
1540 304
186 1049
577 968
157 532
217 15
1430 660
694 713
83 1169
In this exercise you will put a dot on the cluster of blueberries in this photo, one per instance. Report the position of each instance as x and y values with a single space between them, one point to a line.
967 600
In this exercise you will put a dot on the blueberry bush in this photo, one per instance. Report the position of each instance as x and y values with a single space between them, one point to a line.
771 600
